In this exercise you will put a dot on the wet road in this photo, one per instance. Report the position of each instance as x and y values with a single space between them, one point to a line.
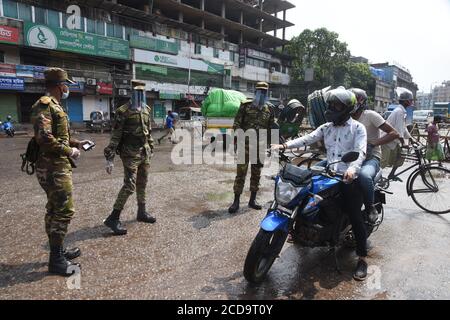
196 250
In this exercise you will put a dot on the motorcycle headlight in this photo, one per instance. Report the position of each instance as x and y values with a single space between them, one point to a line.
286 192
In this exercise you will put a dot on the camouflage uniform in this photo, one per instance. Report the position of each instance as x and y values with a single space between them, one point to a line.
132 140
251 117
53 168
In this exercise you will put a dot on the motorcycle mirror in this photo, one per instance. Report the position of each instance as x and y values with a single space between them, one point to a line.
350 157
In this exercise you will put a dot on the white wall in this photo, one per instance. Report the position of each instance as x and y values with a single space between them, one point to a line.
95 103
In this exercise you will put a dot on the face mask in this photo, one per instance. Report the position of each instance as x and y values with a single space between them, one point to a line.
260 98
138 100
66 94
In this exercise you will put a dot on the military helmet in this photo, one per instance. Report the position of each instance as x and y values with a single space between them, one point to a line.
57 75
138 85
262 86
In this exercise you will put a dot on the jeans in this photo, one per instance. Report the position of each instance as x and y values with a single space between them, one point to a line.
352 202
366 178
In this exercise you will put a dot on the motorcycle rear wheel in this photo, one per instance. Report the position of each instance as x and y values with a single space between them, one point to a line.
262 254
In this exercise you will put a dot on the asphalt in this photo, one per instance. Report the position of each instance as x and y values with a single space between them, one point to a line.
196 250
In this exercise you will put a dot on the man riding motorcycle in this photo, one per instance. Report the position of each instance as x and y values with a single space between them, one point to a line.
373 122
341 135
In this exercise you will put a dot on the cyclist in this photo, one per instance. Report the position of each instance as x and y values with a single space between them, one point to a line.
391 152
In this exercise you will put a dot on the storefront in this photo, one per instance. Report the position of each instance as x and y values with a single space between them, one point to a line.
9 87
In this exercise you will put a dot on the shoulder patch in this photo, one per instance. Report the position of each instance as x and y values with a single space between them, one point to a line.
122 108
45 100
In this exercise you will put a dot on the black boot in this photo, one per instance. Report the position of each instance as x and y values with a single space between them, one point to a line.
360 273
114 224
71 254
143 216
58 263
252 203
235 206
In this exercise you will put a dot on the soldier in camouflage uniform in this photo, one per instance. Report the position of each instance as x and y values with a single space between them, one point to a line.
132 140
253 114
54 166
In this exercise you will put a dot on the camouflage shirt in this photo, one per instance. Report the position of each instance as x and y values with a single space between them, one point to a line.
51 128
250 117
131 132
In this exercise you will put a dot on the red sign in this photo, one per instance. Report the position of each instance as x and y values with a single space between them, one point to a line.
9 35
7 70
105 88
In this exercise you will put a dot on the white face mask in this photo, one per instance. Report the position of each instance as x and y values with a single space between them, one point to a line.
65 95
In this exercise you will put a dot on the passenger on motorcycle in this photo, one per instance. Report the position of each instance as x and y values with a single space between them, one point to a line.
341 135
373 122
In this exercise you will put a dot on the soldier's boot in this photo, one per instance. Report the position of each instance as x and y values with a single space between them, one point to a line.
114 224
235 206
71 254
58 264
252 203
143 215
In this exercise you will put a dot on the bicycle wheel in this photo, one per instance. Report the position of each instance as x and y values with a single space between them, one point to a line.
430 188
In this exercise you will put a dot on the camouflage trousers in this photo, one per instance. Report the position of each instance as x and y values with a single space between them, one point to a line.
136 171
55 177
241 173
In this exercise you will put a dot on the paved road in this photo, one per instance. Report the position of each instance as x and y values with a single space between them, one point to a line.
196 250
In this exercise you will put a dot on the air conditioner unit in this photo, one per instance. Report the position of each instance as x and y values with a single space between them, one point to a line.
123 92
91 82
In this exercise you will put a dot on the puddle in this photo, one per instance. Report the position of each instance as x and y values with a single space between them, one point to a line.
216 197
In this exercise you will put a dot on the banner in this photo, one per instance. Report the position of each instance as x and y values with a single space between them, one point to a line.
9 35
177 61
105 88
12 84
41 36
153 44
7 70
25 71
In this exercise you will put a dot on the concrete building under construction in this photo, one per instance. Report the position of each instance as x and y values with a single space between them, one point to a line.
180 48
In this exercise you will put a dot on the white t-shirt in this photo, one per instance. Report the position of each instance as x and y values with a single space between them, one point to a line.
372 121
397 120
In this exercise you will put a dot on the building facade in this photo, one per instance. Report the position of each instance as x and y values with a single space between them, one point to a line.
441 93
390 76
180 48
424 101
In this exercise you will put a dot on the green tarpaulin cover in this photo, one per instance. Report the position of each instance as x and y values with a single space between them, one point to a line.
222 103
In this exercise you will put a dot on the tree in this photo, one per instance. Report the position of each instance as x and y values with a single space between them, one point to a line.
358 75
321 50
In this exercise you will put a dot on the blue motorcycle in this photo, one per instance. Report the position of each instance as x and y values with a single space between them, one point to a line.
306 206
8 127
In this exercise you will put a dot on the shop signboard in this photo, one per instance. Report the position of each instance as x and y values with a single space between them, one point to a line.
12 84
42 36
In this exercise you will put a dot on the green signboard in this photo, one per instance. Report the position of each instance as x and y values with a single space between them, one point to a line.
153 44
41 36
169 96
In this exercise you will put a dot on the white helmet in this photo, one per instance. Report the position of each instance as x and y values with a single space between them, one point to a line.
404 94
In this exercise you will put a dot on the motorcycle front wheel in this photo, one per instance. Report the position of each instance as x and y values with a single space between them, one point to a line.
262 254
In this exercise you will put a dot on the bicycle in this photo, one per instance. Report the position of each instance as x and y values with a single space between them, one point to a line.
427 185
